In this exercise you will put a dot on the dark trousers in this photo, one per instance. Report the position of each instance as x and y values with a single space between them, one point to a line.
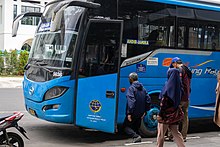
132 128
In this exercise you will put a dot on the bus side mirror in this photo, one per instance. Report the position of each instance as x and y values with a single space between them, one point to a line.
16 24
59 12
19 17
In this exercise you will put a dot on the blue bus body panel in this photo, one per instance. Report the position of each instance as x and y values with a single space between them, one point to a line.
204 66
92 90
35 101
94 110
189 4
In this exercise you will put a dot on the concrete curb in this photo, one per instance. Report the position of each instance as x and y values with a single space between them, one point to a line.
11 82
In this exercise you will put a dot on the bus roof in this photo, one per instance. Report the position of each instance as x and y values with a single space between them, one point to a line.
202 4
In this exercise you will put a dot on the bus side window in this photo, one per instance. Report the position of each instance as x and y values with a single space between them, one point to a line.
153 37
88 64
199 29
99 57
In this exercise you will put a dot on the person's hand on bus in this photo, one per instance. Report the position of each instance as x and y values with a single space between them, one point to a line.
129 118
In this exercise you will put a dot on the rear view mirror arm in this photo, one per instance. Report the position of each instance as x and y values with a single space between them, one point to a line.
19 17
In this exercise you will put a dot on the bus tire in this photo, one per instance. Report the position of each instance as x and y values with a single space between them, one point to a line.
148 126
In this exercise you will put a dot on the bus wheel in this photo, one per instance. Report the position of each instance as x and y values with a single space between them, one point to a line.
149 123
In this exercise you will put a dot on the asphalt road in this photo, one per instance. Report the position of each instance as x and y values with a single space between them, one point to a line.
45 134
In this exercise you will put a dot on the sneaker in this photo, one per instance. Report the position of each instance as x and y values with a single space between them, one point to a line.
169 139
137 139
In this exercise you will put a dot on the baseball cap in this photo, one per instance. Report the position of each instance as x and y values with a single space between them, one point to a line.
175 60
179 61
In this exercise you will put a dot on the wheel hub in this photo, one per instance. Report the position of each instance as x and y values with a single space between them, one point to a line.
155 117
151 117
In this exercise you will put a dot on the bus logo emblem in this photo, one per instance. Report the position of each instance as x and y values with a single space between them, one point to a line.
95 106
31 90
167 62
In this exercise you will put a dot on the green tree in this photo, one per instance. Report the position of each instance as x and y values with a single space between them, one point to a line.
7 63
23 58
13 62
7 57
1 63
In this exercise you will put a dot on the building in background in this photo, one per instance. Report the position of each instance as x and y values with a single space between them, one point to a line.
9 9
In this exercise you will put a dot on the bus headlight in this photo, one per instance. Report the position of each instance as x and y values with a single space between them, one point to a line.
55 92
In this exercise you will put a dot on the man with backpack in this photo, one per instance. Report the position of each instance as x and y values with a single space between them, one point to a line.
138 103
185 77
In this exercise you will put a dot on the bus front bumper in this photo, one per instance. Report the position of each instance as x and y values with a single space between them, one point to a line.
49 110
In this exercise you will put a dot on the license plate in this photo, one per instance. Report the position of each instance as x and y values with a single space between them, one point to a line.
32 112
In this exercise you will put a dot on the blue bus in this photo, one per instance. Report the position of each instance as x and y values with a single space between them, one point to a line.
83 52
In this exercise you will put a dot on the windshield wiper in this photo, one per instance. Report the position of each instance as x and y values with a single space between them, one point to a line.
42 65
27 66
37 62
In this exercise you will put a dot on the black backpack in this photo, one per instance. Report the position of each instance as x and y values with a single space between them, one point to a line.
188 72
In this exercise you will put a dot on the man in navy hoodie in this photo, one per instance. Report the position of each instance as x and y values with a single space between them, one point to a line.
138 103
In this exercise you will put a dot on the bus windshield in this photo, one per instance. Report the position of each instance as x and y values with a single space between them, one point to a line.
55 46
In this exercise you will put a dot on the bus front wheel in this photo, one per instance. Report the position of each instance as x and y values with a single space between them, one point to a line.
149 123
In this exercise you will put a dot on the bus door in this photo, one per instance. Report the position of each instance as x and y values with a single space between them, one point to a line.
98 76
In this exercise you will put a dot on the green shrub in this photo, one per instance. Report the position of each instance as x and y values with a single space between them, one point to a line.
23 58
14 62
11 60
7 57
1 62
6 70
